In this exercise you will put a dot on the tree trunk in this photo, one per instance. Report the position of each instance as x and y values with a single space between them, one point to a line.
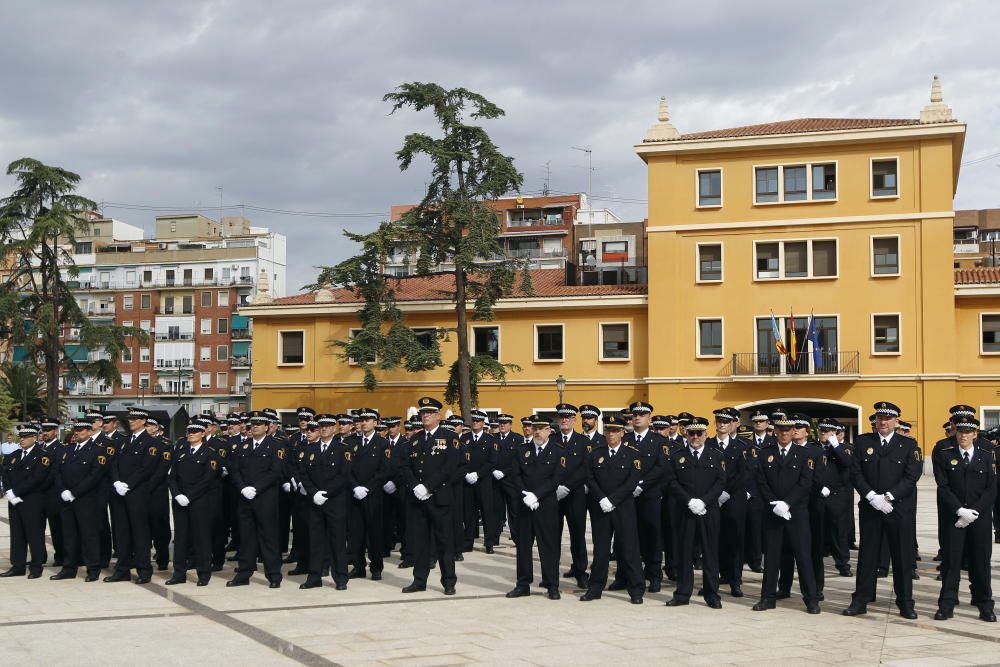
464 382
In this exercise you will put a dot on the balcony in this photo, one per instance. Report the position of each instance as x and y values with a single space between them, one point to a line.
175 310
240 362
242 334
532 253
160 390
173 364
174 336
965 247
635 273
102 310
832 365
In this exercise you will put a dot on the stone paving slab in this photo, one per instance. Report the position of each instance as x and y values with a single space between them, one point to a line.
372 623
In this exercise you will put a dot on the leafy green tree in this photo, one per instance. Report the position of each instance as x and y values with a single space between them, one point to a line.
452 226
39 222
22 384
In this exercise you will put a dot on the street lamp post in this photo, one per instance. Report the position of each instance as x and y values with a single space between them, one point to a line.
561 386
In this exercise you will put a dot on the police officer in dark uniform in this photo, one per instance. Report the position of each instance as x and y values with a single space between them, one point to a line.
132 467
256 469
53 448
885 471
539 471
369 469
23 477
78 480
839 495
325 469
614 469
393 518
572 499
967 487
697 478
239 434
505 506
107 434
159 496
759 421
434 458
784 482
477 485
740 458
299 552
192 481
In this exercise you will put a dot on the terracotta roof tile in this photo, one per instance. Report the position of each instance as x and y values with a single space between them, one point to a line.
546 283
799 126
981 275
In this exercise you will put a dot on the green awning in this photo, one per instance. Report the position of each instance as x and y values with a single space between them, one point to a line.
20 354
77 353
241 348
241 322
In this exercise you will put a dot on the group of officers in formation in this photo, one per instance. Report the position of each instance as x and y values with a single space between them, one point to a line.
663 498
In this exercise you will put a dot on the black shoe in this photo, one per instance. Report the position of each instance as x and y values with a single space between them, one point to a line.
117 577
736 591
275 584
590 595
174 580
489 549
943 614
341 587
635 599
882 572
569 575
377 576
237 582
414 588
553 594
34 575
812 608
915 575
987 615
676 602
356 573
403 564
783 595
449 590
763 606
582 582
217 568
908 613
518 592
12 572
63 574
671 574
203 582
756 568
855 610
289 559
161 566
937 558
714 603
311 583
654 587
297 570
91 577
617 586
939 577
701 592
845 571
143 580
459 558
232 559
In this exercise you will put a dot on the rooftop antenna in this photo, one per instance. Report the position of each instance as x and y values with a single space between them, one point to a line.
548 174
590 176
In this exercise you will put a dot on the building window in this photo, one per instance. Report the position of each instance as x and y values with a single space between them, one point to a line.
144 380
425 336
144 354
989 324
145 302
709 262
221 352
146 325
795 183
187 305
168 305
486 342
291 347
126 381
813 258
126 323
126 355
205 380
614 341
206 353
206 299
548 342
84 247
147 277
206 326
352 360
709 187
614 251
209 274
222 380
885 334
130 278
709 337
127 301
885 256
223 298
885 177
223 325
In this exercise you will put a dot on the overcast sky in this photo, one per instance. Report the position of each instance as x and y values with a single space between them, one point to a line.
279 104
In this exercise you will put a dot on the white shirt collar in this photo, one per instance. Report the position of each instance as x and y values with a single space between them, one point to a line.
26 451
971 450
432 432
614 450
640 436
696 452
723 442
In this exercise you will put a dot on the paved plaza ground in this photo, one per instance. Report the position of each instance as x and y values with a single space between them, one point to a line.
75 623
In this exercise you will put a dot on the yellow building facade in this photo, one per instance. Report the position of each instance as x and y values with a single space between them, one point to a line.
849 220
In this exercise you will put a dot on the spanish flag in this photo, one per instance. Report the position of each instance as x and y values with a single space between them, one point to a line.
793 348
777 335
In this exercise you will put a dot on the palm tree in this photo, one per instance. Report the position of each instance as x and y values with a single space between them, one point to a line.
23 383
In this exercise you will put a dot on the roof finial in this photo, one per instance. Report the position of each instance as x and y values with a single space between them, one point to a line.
937 111
663 130
263 289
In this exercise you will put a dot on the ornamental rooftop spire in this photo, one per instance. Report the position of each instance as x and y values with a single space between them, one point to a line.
937 111
663 130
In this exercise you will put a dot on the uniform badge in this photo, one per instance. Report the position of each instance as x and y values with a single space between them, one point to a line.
916 454
723 463
870 451
311 456
213 463
166 456
388 453
562 461
637 463
281 453
246 446
152 451
222 452
111 451
527 454
45 460
101 460
754 452
468 456
457 445
681 460
600 460
770 459
809 462
954 462
302 455
347 456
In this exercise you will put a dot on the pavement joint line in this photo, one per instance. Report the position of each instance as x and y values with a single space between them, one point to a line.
89 619
336 605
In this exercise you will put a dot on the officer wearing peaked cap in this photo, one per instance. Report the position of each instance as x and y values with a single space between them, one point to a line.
192 482
885 472
369 469
477 484
837 517
395 493
508 444
570 494
589 414
53 448
23 476
740 460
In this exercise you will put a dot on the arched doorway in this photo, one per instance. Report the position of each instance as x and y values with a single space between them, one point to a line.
848 414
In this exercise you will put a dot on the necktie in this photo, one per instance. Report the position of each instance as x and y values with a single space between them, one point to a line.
965 455
884 443
783 453
565 438
697 454
538 451
21 455
611 453
364 442
322 448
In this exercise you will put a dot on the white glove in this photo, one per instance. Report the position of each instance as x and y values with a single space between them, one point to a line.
302 490
389 487
637 491
962 523
420 491
586 490
319 498
472 477
966 516
120 488
182 500
497 475
606 504
832 440
724 498
286 487
225 472
879 503
825 492
748 495
249 492
360 492
561 492
529 498
67 496
16 500
10 495
781 508
697 506
534 506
